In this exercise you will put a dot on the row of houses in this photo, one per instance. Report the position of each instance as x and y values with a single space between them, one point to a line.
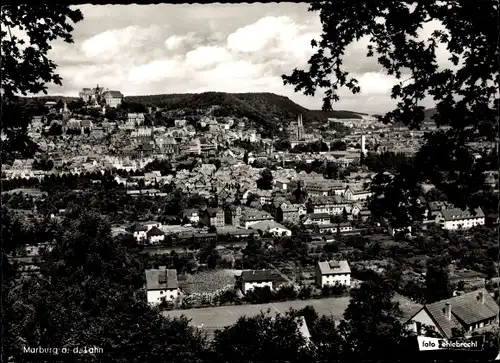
162 284
473 313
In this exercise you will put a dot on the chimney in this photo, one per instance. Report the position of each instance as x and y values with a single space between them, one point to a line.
481 297
162 268
447 311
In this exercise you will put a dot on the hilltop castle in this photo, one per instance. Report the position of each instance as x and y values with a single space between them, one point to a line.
98 95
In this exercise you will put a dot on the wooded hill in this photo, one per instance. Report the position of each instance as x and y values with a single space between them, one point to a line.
265 109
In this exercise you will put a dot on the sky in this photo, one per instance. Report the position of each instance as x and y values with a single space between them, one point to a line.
155 49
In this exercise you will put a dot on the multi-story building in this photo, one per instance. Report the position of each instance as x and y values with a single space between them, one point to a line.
136 118
317 218
333 205
233 215
287 213
161 285
113 98
356 194
331 273
217 217
317 189
455 218
91 95
167 146
252 216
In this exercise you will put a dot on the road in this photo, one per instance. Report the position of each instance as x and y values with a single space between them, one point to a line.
228 315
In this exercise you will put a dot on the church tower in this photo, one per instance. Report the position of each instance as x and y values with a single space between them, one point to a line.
300 128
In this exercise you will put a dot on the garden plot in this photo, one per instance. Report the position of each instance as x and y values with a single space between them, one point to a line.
208 281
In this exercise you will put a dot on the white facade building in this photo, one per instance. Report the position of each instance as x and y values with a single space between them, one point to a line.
331 273
256 278
455 218
356 195
161 285
272 227
155 235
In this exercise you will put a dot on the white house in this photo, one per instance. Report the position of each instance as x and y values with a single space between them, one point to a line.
476 311
141 230
151 224
155 235
317 218
256 278
331 273
253 216
455 218
140 233
355 194
161 285
193 215
272 227
281 184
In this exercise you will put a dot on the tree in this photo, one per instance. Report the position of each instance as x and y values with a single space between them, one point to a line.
465 94
266 180
437 280
299 193
372 322
282 145
260 338
111 114
42 24
90 293
338 146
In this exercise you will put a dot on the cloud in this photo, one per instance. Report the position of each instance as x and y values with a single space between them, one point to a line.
175 41
376 83
119 42
203 57
156 70
257 36
152 49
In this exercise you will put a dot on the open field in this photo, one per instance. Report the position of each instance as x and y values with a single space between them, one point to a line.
228 315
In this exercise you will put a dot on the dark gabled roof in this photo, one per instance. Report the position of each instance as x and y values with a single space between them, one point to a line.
319 215
212 212
155 231
466 308
114 94
204 235
257 276
326 199
334 267
161 279
456 214
437 205
140 228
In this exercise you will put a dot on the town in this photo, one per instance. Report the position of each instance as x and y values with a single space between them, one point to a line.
254 219
210 216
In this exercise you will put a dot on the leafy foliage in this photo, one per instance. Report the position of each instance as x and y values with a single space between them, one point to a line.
372 321
42 24
90 293
465 94
260 338
437 280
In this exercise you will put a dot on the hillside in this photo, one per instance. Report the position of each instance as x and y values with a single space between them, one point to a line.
265 109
